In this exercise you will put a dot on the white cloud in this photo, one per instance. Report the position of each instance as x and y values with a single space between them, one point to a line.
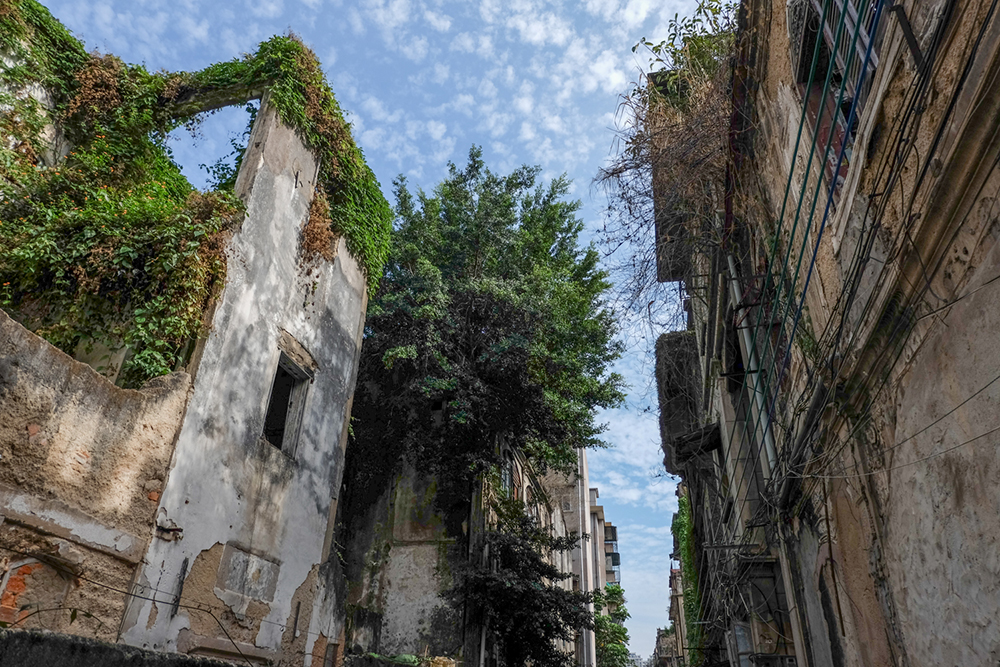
441 72
196 31
464 42
636 11
414 48
487 89
356 21
608 72
378 111
524 100
389 15
329 59
268 9
440 22
527 134
464 103
445 149
436 129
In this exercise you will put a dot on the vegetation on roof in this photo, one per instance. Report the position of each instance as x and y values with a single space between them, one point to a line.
106 243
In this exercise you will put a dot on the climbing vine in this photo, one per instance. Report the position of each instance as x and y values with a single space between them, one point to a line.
682 529
102 239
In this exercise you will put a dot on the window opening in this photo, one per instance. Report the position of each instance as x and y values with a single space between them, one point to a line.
848 62
285 405
331 655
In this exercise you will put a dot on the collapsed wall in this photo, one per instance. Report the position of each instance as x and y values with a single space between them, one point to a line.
194 511
82 466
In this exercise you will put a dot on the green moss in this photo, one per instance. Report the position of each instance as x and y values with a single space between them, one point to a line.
112 245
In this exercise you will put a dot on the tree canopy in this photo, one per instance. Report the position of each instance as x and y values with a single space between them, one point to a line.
490 324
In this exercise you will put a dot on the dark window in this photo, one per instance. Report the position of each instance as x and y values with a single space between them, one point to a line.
844 37
285 406
507 475
331 655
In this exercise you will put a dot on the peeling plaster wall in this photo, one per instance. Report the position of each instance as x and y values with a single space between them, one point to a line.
942 514
242 526
82 464
890 550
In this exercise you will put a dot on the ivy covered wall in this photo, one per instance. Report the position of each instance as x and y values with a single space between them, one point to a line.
102 239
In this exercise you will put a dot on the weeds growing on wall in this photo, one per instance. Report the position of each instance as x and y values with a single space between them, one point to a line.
682 529
106 242
672 147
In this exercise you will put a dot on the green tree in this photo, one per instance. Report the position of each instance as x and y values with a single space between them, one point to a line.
609 629
520 603
489 323
489 326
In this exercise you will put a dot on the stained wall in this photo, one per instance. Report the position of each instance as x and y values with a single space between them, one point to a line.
241 560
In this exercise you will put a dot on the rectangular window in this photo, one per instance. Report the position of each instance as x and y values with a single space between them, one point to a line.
286 405
331 655
844 35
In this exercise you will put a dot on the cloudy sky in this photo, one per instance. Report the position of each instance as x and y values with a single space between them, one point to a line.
532 81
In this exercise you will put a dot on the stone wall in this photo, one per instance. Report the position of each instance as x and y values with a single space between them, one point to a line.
32 648
82 467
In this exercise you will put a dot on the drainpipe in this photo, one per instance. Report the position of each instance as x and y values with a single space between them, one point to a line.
753 366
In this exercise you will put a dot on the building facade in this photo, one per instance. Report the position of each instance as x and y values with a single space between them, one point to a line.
831 405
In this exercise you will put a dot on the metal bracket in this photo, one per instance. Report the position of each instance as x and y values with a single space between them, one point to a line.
911 40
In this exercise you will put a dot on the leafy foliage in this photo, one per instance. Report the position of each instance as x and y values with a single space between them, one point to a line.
110 244
515 594
609 629
682 529
489 324
696 45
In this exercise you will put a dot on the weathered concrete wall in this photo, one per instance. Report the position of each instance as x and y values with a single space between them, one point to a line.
245 528
82 466
402 549
416 619
941 499
31 648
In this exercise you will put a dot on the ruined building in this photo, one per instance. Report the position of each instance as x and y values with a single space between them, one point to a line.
177 372
192 512
402 551
831 405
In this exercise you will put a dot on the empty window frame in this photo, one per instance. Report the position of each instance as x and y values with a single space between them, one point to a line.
286 404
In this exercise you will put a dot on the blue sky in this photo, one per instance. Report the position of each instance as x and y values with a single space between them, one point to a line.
532 81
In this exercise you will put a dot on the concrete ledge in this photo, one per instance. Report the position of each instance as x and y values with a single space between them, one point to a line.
52 517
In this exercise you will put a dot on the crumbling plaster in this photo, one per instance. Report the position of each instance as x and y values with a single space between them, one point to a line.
82 463
227 486
943 507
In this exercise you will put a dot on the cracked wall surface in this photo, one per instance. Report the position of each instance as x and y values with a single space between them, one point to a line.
242 525
82 463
